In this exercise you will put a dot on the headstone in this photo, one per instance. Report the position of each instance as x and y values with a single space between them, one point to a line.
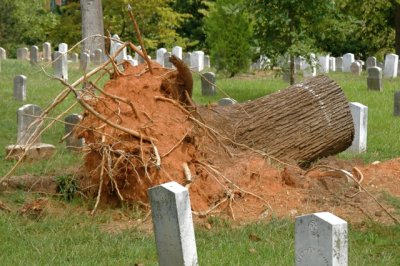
22 53
27 124
20 88
132 61
173 225
323 64
74 57
396 103
114 41
187 59
122 55
339 64
61 65
3 54
72 142
197 61
321 239
207 63
226 101
356 68
332 64
167 63
208 84
84 61
359 113
310 69
361 62
92 24
348 59
63 48
34 55
371 62
374 80
160 56
391 64
98 57
47 52
177 51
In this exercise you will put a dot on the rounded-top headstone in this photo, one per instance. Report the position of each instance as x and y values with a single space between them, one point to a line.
226 101
208 84
20 88
356 68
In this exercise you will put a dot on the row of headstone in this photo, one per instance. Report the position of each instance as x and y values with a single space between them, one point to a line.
320 238
196 60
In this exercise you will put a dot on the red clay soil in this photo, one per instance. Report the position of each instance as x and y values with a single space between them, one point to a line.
249 186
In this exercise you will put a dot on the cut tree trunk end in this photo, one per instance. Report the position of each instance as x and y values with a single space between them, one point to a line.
302 123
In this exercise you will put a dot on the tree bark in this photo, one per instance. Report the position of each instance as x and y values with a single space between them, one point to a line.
92 24
304 122
397 26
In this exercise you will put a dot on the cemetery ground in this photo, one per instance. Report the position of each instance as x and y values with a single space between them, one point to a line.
65 233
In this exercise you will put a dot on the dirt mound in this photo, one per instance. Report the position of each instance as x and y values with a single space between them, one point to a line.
163 138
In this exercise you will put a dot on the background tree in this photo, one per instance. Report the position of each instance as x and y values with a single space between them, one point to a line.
229 35
287 26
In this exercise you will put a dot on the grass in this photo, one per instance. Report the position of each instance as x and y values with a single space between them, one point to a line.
72 237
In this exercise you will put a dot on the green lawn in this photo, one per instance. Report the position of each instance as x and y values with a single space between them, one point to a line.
72 237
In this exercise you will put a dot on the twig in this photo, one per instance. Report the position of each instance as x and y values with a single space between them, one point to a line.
100 185
176 144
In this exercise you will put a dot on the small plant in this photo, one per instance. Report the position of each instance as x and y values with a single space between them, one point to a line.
67 186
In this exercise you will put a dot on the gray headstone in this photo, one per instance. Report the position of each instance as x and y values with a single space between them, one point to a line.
339 64
72 141
47 52
348 59
34 55
356 68
160 56
98 57
177 51
22 53
391 64
359 113
226 101
396 103
374 79
197 61
371 62
20 88
28 124
61 65
167 63
3 54
321 239
84 61
186 58
173 225
208 84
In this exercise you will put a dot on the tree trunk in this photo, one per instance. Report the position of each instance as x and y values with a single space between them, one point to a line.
304 122
397 26
92 24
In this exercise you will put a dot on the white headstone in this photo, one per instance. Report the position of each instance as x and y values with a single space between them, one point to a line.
197 61
20 88
160 56
332 64
359 113
47 52
321 239
348 59
310 70
61 65
122 55
177 51
113 42
207 61
63 48
27 124
323 64
391 64
173 225
3 54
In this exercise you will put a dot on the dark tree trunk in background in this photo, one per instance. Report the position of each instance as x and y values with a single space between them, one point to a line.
303 123
92 24
397 26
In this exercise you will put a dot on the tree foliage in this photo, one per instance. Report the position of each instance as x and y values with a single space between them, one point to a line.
229 36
